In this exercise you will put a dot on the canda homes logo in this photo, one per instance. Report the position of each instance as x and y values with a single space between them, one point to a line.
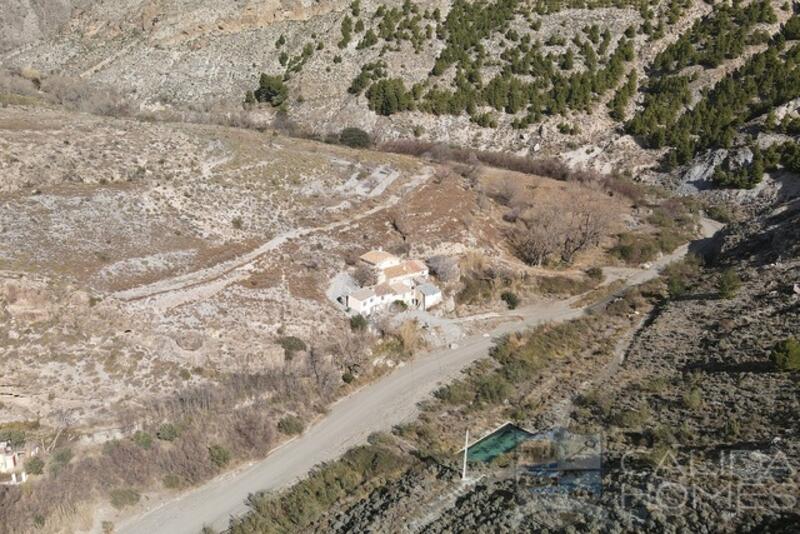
736 481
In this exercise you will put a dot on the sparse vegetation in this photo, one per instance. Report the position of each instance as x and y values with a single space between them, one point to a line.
291 345
728 284
786 354
291 425
358 323
143 439
58 460
355 138
167 432
496 64
120 498
510 298
272 90
303 503
219 455
34 466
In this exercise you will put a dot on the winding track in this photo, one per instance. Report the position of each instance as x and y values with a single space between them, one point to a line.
378 406
205 283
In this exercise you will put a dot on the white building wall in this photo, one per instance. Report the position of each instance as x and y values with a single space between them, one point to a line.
8 462
430 301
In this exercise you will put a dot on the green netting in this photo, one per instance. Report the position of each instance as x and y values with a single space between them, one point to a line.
502 440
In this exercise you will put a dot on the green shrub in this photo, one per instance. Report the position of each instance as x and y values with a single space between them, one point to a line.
635 249
34 466
120 498
172 481
492 389
355 138
358 323
791 30
167 432
786 354
305 502
458 393
219 455
676 285
595 273
511 299
59 460
14 436
143 439
389 96
271 89
728 284
348 377
720 213
518 370
291 344
347 31
637 418
291 425
475 291
399 305
693 399
658 455
680 274
597 399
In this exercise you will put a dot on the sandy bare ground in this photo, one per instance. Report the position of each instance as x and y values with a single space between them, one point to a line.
207 282
376 407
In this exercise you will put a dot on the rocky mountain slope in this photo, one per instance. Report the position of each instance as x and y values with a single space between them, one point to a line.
544 77
173 237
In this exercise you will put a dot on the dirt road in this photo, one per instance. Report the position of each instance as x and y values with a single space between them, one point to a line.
205 283
378 406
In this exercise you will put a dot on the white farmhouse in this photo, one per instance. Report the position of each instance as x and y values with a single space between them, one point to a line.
428 295
398 281
379 260
9 459
403 272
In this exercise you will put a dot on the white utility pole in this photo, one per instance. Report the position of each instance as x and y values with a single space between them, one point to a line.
466 449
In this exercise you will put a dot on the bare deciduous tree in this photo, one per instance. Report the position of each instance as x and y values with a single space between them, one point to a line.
586 224
63 419
549 229
444 267
365 275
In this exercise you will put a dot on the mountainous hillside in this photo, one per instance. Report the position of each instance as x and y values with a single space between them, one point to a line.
26 22
193 195
623 86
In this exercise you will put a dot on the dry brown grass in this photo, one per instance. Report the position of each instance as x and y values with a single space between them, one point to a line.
549 167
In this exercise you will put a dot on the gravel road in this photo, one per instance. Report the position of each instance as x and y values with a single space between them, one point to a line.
379 406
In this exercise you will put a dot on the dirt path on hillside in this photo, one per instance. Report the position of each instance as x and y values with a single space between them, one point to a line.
205 283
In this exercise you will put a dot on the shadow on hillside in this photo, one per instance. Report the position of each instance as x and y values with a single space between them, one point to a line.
709 295
762 366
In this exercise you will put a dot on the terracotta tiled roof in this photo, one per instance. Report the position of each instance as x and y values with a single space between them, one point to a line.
362 294
410 267
399 288
374 257
383 289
